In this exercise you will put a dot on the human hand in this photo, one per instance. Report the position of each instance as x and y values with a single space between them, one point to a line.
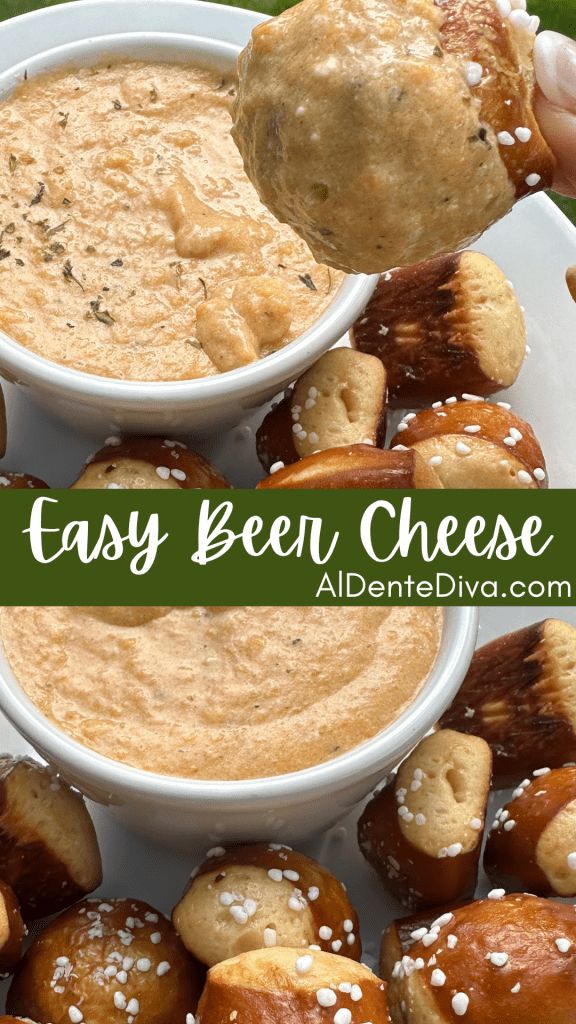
555 103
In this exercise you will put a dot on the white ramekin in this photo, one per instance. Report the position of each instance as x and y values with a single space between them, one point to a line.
87 32
181 813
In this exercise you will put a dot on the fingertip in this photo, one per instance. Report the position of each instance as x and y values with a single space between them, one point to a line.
558 127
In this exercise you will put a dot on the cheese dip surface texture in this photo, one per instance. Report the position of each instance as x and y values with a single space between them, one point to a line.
132 243
221 693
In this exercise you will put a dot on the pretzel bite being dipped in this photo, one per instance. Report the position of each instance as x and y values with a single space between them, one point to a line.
422 833
48 848
12 930
339 401
503 959
107 961
475 445
142 463
20 481
532 845
387 133
452 322
357 465
250 897
285 986
520 695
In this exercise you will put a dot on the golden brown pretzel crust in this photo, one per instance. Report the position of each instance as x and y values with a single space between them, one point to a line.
442 787
20 481
159 452
494 422
341 400
512 696
129 930
398 938
13 929
265 986
356 466
24 1020
274 436
449 325
510 858
476 31
384 846
332 906
525 929
419 372
39 876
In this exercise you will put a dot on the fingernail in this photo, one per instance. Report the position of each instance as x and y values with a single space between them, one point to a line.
555 65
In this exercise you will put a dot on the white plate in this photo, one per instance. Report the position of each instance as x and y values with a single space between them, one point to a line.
135 868
534 245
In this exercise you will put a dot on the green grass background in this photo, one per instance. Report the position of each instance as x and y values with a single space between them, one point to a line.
555 14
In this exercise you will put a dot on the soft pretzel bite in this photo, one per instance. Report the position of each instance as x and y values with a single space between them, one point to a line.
404 932
505 958
571 281
409 129
358 465
48 848
423 832
532 845
12 930
519 694
475 444
287 986
107 961
140 463
451 322
339 401
20 481
264 894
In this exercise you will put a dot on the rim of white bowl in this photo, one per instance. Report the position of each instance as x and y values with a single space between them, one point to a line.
459 635
348 302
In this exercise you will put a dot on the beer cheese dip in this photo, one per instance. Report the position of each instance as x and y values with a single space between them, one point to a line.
231 693
132 244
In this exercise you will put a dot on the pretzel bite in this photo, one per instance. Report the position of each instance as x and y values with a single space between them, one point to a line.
452 322
107 961
339 401
265 894
503 959
422 833
356 465
24 1020
386 133
48 848
475 444
571 281
2 424
12 930
403 933
20 481
520 695
532 845
145 463
284 986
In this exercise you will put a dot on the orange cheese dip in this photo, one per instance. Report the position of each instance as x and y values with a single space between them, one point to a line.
132 243
221 693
